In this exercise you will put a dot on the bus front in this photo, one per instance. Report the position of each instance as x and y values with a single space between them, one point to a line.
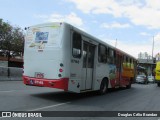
43 59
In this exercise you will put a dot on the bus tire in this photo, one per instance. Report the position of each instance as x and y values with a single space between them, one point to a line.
129 85
103 87
158 84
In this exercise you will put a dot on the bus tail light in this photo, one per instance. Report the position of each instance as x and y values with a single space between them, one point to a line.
60 70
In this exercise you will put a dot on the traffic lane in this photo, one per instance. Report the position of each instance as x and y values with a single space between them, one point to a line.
38 99
118 100
138 98
86 101
16 96
44 98
48 99
22 101
12 85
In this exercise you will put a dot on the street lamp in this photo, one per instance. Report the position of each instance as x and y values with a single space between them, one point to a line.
152 56
116 43
152 47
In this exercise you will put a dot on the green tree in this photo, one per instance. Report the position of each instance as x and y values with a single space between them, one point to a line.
17 41
5 28
11 39
5 31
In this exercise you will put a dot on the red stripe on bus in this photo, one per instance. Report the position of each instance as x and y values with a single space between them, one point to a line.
52 83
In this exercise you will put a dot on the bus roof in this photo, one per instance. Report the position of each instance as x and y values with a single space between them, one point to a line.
85 34
102 42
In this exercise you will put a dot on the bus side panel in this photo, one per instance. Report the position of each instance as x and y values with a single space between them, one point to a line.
157 77
75 68
127 75
72 65
75 75
66 51
102 71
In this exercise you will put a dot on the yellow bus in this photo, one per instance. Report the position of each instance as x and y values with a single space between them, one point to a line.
157 77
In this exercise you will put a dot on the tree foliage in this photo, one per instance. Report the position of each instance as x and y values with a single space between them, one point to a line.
11 39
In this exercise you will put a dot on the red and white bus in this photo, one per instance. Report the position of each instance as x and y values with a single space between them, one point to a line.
59 55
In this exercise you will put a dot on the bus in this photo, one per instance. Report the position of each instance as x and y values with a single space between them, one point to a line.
59 55
157 71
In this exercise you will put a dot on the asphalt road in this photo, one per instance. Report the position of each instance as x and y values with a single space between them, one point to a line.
14 96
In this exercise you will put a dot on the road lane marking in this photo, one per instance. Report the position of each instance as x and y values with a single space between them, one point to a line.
8 91
45 107
49 106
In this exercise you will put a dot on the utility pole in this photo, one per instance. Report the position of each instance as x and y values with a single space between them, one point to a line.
116 43
152 47
152 56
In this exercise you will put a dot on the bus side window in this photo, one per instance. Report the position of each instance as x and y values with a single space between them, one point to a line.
117 59
124 61
127 62
76 45
132 64
102 54
110 56
114 57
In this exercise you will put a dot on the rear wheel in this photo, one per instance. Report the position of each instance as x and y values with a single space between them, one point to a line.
103 87
128 86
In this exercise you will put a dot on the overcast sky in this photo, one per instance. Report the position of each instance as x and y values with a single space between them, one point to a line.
132 22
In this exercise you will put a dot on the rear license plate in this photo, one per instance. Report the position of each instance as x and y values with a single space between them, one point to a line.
39 75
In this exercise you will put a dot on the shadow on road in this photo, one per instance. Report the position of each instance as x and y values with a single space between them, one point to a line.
62 96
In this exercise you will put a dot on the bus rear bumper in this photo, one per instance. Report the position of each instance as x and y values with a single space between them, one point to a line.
52 83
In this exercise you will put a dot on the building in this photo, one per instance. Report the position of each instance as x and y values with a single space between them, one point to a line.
146 62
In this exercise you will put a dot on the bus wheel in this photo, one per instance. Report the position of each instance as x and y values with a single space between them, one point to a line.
103 87
129 85
158 84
